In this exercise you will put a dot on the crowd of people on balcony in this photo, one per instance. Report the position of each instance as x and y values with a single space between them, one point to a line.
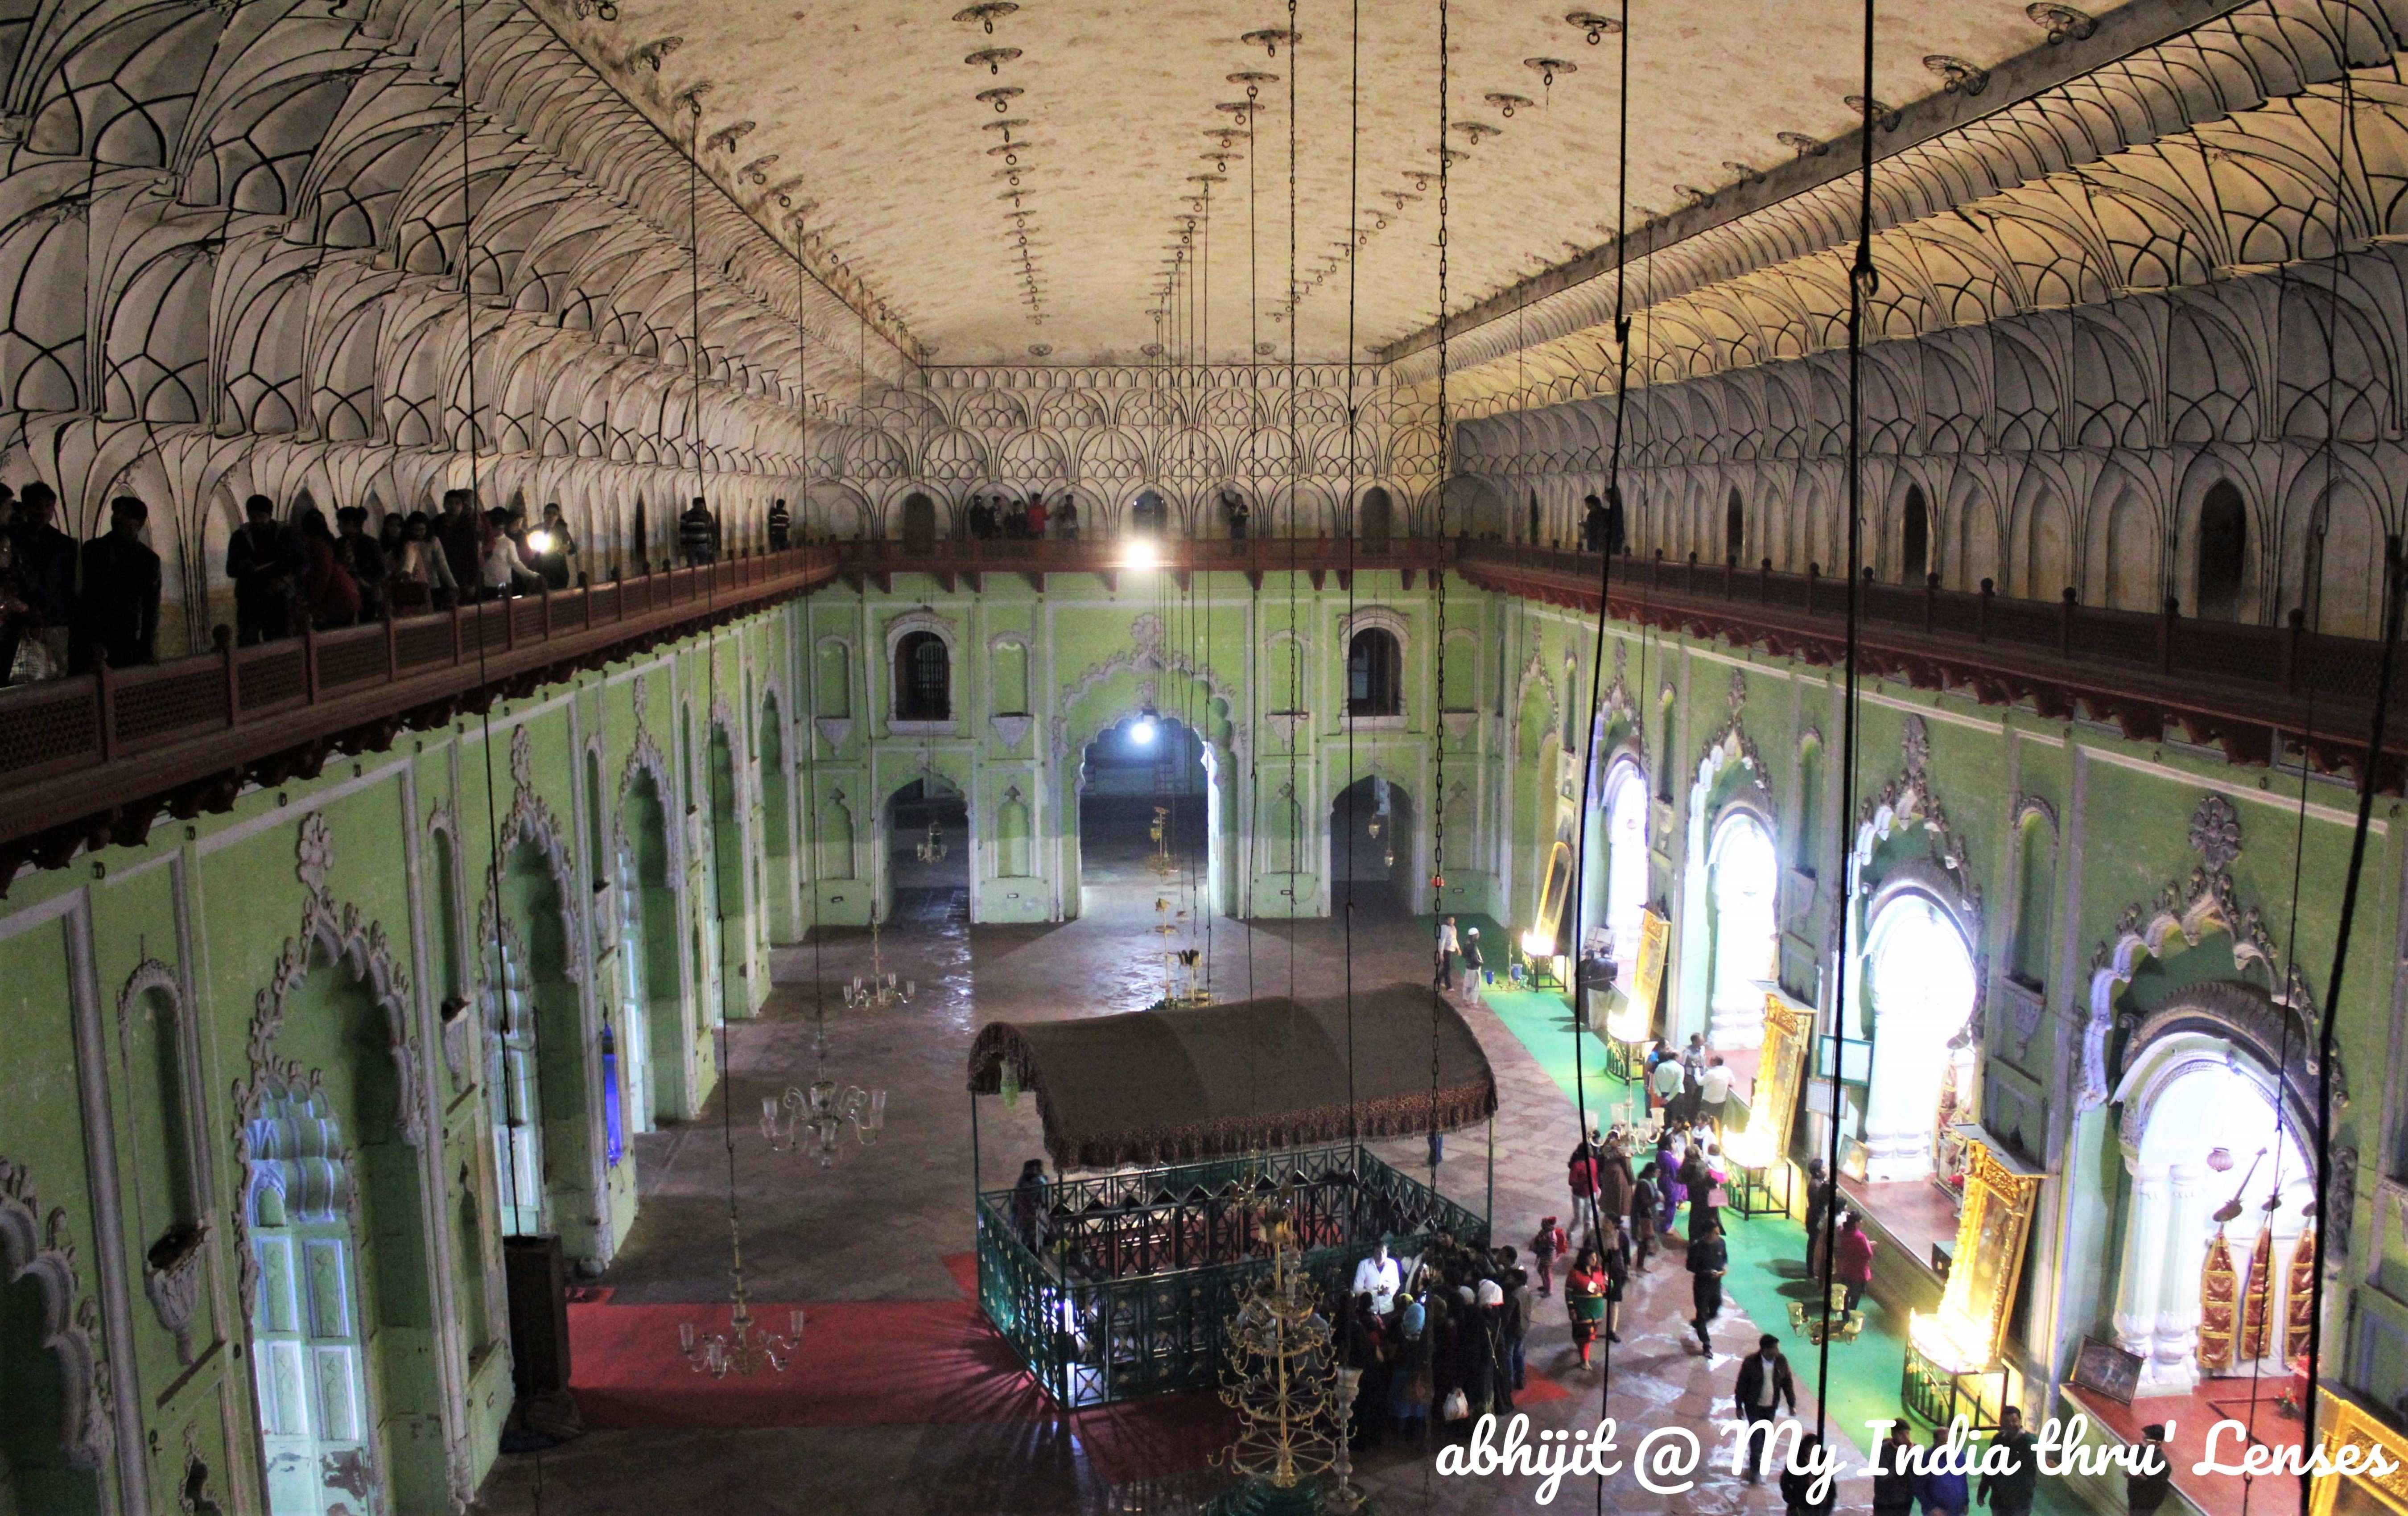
1029 519
65 606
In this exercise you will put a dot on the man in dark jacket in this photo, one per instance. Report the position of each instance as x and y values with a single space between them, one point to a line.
699 535
780 526
2008 1490
464 546
363 557
117 614
1708 1258
45 566
264 562
1764 1382
1893 1483
2146 1487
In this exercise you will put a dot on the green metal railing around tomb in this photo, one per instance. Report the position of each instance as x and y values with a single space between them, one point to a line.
1134 1276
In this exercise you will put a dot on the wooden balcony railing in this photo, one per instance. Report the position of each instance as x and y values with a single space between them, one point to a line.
103 753
96 758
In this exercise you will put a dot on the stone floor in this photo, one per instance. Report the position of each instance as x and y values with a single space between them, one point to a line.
877 1225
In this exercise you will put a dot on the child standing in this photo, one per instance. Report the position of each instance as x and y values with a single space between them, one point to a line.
1546 1246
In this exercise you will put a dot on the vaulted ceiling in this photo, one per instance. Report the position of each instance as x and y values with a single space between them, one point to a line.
867 117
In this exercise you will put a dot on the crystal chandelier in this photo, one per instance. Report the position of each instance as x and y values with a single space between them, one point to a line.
746 1347
815 1116
881 991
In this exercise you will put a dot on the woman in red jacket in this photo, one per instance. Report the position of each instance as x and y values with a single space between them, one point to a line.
1855 1264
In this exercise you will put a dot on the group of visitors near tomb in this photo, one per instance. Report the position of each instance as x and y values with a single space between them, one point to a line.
1440 1339
67 606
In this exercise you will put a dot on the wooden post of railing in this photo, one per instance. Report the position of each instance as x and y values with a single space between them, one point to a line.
509 622
221 636
1813 573
545 594
105 686
459 642
1730 575
1981 612
1764 582
2165 634
1931 599
2295 634
2065 622
1689 573
391 645
308 657
1655 570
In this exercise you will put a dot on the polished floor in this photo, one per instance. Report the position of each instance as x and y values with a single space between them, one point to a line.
880 1224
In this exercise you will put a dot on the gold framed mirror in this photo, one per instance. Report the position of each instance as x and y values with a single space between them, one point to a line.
1553 894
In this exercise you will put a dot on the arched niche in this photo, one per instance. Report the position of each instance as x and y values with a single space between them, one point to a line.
2219 1243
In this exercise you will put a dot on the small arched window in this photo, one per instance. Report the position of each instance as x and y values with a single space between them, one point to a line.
2223 553
923 679
1914 539
1734 528
1373 665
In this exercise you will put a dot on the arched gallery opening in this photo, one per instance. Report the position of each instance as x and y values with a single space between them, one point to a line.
651 996
927 852
1743 881
2214 1276
1145 818
1920 986
1371 841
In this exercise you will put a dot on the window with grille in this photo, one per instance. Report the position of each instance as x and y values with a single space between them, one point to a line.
923 679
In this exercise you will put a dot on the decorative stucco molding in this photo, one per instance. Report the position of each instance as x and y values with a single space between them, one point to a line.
40 1244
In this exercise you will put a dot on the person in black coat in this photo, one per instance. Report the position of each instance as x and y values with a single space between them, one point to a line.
46 567
2146 1487
1709 1257
1798 1491
1894 1484
1616 540
264 562
117 612
1764 1382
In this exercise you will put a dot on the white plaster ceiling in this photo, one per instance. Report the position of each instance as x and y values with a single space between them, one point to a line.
870 109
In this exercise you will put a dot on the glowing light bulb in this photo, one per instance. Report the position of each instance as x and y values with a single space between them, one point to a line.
1143 732
540 541
1141 555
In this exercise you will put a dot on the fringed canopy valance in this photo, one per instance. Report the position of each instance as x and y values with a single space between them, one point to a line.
1155 1087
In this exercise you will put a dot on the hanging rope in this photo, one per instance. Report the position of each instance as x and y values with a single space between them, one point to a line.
1354 240
1292 809
1591 761
2368 777
1437 832
1863 283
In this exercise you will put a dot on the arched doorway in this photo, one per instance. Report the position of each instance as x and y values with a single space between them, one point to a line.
928 814
1915 538
2211 1280
1920 987
1734 528
2223 553
44 1375
1146 771
730 924
919 523
778 884
1378 514
651 1002
1149 514
546 1161
1744 881
336 1229
1625 862
1372 842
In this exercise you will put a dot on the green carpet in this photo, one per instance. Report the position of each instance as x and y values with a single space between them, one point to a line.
1767 1254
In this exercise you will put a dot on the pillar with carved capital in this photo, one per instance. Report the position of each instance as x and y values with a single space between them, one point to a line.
2173 1359
2140 1285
